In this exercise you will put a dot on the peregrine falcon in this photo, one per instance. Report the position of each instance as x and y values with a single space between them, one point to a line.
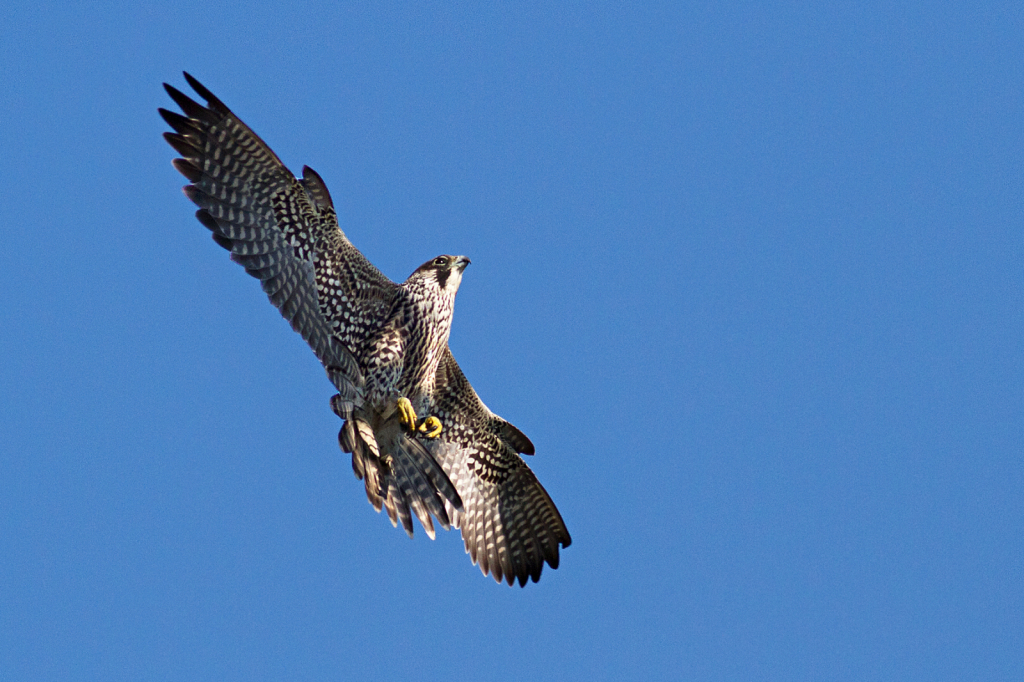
421 439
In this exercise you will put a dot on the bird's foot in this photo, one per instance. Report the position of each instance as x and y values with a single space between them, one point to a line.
430 427
406 414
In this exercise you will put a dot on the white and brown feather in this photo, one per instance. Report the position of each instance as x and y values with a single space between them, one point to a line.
509 524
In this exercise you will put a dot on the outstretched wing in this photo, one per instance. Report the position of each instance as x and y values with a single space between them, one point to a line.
509 524
284 231
273 224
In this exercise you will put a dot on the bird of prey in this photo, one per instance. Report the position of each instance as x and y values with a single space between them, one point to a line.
421 439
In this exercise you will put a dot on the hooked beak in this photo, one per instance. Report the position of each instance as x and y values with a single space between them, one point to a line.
461 262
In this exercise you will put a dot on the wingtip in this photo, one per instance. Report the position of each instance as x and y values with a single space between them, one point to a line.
195 84
212 100
174 92
188 169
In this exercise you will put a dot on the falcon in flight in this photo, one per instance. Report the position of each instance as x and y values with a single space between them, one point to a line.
421 439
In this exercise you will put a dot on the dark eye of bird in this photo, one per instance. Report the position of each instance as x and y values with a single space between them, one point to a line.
440 261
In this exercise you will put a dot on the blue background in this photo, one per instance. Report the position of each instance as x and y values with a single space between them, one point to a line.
748 274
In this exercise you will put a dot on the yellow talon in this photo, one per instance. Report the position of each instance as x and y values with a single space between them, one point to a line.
431 427
406 414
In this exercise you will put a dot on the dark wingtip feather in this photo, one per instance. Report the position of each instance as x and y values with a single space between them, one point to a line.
191 108
223 241
194 194
208 221
188 169
182 145
201 90
177 121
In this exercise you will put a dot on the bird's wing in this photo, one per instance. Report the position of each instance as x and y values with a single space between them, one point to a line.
509 524
273 224
284 231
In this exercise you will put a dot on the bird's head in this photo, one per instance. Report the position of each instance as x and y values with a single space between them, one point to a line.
446 271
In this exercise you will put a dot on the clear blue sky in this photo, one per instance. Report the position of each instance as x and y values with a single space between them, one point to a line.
748 274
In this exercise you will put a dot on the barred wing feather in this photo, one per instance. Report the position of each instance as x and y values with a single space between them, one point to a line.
509 524
273 224
284 231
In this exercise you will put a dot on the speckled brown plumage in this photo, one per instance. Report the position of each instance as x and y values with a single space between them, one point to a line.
509 524
379 342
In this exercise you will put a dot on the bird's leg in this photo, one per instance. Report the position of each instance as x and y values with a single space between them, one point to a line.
406 414
431 427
